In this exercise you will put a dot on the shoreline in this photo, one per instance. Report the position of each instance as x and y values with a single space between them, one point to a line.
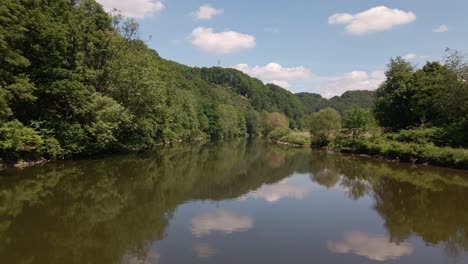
380 156
22 164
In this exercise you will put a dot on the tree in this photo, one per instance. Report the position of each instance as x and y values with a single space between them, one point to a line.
456 61
393 108
357 120
276 120
433 85
230 121
254 123
322 124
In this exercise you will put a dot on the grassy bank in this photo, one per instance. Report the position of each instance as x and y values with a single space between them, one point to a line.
388 146
292 138
424 153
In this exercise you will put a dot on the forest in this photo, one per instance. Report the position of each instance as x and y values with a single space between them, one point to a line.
77 81
419 116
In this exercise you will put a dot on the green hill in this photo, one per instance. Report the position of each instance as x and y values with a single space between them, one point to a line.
315 102
75 81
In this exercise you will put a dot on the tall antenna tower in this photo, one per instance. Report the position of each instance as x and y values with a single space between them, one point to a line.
219 63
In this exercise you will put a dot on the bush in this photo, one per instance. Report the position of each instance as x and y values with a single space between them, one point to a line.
278 133
20 142
404 151
420 135
296 139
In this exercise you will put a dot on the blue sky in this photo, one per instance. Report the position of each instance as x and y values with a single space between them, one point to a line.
322 46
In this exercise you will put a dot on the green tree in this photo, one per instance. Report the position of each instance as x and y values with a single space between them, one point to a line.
393 108
231 121
433 85
357 120
322 124
457 62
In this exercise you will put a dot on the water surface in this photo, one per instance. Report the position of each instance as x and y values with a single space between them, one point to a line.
234 202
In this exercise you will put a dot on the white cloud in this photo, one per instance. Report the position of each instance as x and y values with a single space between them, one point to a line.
441 29
379 18
133 8
355 80
275 73
410 56
274 192
281 83
221 42
207 12
220 220
414 56
374 247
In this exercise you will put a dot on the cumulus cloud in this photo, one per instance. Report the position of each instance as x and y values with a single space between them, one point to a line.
410 56
441 29
220 220
379 18
272 193
355 80
133 8
221 42
207 12
374 247
275 73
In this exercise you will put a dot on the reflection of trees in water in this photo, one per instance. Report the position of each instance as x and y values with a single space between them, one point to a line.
103 211
428 202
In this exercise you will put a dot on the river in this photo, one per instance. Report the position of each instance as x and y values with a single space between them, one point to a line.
237 202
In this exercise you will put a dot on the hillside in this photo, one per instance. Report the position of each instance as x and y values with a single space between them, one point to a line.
76 81
315 102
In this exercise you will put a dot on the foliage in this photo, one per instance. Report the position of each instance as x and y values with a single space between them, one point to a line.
322 124
279 133
421 135
393 108
276 120
405 151
315 102
75 80
20 142
297 139
357 120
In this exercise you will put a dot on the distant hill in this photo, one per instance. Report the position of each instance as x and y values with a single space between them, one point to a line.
314 102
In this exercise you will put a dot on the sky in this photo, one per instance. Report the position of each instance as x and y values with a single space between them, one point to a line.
319 46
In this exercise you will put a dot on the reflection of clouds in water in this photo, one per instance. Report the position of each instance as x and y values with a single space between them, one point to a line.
375 247
220 220
204 250
151 258
275 192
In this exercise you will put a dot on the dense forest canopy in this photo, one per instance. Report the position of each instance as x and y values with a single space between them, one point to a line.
76 80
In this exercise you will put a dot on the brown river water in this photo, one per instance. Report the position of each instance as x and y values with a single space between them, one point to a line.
237 202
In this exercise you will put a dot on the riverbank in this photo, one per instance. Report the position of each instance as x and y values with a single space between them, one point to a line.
21 164
392 150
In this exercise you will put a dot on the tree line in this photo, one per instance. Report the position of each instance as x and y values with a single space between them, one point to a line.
420 115
75 80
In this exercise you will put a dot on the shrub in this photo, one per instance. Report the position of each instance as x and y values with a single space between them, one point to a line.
279 132
296 139
420 135
19 141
